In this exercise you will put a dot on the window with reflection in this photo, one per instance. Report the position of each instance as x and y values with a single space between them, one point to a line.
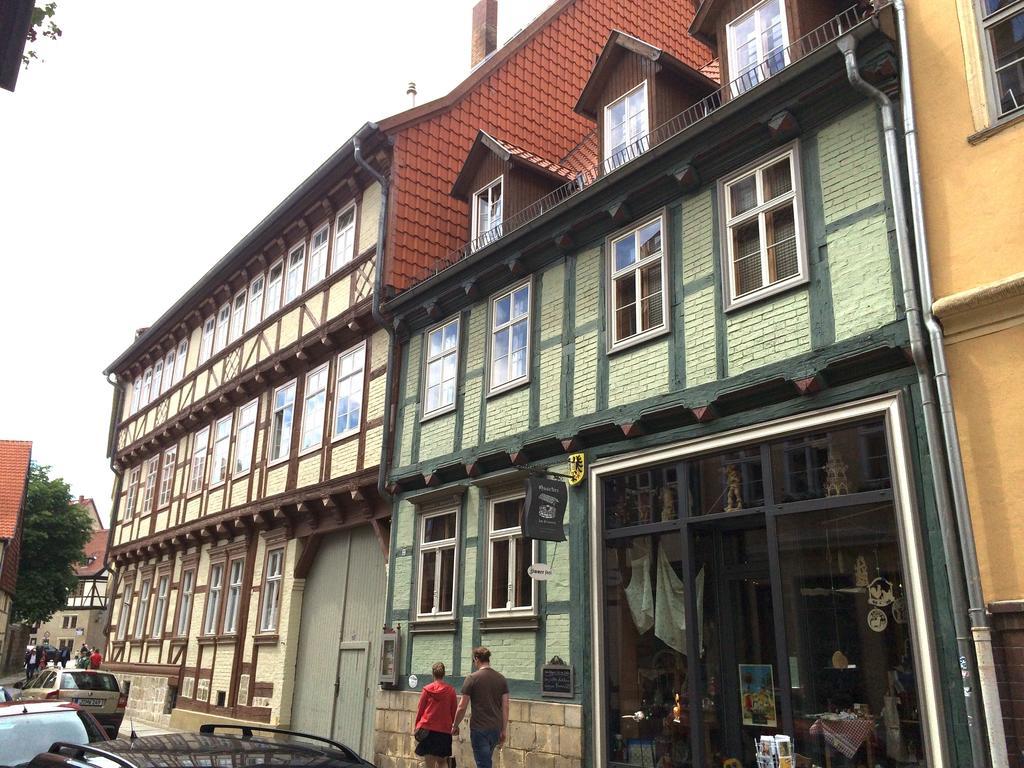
438 551
639 498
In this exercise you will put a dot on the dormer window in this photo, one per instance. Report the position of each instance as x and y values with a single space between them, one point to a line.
487 212
625 127
757 44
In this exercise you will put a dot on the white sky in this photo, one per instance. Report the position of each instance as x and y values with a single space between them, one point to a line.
149 141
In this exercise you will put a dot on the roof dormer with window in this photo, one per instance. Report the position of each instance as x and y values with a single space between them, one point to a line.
634 89
501 181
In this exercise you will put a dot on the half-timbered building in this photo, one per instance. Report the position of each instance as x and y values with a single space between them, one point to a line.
704 317
246 437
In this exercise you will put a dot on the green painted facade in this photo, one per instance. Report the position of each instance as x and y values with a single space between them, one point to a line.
848 303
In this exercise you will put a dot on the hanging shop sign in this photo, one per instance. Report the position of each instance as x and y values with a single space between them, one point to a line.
539 571
557 680
544 509
577 468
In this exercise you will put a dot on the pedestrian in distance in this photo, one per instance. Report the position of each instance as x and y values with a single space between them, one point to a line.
95 659
31 662
65 656
434 719
487 691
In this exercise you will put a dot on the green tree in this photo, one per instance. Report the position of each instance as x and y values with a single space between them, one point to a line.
42 24
53 538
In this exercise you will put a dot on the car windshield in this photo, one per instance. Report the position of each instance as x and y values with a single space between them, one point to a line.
22 737
88 681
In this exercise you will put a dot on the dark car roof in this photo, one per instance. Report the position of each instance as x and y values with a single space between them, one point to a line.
186 750
14 708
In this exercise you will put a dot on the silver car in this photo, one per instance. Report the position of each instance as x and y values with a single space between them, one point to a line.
94 691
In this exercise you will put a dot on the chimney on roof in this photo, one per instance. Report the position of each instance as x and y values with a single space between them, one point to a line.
411 92
81 499
485 30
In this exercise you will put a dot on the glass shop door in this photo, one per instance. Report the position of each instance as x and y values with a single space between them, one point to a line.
740 687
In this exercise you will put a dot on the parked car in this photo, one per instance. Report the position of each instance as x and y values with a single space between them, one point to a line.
91 689
208 747
30 727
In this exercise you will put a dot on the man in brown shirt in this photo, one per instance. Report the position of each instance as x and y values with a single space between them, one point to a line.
487 690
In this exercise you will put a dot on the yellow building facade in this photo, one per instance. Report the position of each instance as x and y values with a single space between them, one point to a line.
968 82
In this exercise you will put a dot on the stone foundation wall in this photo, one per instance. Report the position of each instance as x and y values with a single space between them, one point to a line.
541 735
147 698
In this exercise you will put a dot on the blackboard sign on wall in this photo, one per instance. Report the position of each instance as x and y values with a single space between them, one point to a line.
557 681
544 509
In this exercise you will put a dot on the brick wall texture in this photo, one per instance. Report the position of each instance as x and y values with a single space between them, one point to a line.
541 735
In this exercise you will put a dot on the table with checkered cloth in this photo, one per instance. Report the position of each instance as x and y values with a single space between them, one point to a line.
844 735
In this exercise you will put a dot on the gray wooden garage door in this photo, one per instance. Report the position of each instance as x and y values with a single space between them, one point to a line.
339 640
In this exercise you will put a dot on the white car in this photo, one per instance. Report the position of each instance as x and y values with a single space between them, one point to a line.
94 691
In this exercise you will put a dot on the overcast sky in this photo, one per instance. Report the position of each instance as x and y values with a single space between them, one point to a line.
149 141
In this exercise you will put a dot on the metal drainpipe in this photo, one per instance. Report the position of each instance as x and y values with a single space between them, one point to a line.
115 410
378 284
980 628
933 427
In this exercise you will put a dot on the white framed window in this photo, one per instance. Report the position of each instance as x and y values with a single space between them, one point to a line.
197 469
206 344
221 448
296 267
255 311
167 477
136 394
344 237
638 269
281 421
348 393
1002 23
238 316
275 276
143 610
133 493
314 404
488 213
510 555
158 378
213 590
510 337
442 367
179 363
764 251
152 465
156 628
234 595
626 127
220 338
168 371
126 612
186 590
245 437
147 387
272 591
439 542
758 42
318 255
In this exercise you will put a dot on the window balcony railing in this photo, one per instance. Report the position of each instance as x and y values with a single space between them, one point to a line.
584 159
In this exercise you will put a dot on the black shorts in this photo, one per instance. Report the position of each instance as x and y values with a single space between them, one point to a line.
436 744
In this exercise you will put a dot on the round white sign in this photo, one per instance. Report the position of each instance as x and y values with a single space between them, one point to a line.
413 681
539 571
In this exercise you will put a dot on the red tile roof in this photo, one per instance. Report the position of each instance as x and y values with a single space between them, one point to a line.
525 92
96 548
713 71
14 461
543 164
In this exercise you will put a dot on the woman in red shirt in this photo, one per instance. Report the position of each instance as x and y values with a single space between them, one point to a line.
434 719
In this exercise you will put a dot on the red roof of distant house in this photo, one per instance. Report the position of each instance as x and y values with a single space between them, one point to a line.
524 92
14 460
95 550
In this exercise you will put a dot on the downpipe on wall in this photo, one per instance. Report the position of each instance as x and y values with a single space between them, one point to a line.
933 426
115 409
980 628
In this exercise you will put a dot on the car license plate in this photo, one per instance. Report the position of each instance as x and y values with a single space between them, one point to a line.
89 702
